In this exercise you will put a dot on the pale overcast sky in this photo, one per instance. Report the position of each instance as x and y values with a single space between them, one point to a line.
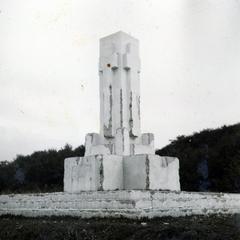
190 76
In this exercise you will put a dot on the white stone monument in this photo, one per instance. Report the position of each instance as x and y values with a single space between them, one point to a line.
120 157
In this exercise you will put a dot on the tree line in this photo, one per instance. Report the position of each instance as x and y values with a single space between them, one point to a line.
209 161
41 171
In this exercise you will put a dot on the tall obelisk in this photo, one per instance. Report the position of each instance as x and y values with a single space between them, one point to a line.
119 69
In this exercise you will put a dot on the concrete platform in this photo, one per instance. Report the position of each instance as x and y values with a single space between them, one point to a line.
129 204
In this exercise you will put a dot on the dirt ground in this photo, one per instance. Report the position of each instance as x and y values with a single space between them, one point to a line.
59 228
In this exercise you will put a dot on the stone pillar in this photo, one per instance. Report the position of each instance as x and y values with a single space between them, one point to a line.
119 67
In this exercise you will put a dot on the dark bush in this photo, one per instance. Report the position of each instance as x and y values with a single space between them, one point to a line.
209 160
40 171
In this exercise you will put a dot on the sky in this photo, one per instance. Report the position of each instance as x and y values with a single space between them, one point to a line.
49 86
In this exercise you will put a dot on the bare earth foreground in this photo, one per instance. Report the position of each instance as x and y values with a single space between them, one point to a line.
184 228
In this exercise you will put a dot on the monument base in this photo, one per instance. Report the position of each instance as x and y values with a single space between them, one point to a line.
112 172
133 204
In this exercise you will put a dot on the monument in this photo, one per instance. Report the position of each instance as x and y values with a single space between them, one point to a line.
120 159
120 156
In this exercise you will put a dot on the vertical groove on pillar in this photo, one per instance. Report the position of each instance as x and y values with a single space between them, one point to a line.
131 114
147 172
110 102
123 147
101 173
139 113
121 108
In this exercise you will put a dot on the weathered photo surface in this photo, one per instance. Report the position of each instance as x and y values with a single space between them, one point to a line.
119 119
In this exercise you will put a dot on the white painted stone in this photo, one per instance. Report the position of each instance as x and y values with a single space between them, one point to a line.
164 173
92 173
147 171
120 131
130 204
119 68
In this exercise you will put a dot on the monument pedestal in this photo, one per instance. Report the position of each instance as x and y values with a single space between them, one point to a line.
112 172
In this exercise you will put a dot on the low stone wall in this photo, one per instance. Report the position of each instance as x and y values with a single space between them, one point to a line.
130 204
